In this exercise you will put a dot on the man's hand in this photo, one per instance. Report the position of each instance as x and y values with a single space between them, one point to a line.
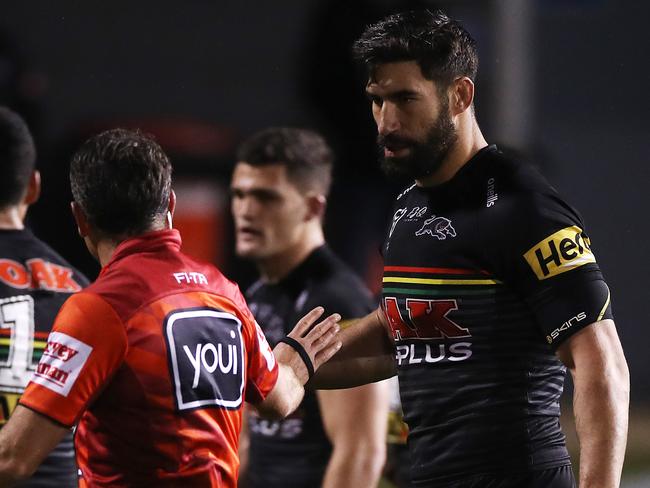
320 342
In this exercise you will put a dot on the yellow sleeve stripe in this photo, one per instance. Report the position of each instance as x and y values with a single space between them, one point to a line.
602 312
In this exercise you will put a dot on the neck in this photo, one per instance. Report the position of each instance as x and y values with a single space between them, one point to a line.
12 218
273 268
470 141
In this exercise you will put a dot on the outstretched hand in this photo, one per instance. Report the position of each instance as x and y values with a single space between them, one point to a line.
320 342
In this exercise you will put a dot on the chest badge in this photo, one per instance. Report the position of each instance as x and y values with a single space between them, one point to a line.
438 227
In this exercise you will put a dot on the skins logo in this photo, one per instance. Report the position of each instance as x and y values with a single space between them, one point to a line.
438 227
427 319
562 251
566 326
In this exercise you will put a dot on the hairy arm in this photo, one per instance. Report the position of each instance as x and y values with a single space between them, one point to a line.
320 343
366 356
355 421
600 402
26 439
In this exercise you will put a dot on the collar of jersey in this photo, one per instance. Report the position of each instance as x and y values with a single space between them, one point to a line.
159 240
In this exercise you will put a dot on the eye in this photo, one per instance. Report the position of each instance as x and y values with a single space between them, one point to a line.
375 100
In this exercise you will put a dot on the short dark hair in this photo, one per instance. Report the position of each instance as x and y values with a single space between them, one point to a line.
122 181
442 48
304 153
17 157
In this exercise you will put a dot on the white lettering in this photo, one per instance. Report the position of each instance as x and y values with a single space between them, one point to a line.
441 351
192 277
463 348
195 362
210 368
402 353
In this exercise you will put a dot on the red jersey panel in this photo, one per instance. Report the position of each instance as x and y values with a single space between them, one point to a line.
154 360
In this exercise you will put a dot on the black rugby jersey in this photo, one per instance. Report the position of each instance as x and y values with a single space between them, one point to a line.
34 283
484 277
295 451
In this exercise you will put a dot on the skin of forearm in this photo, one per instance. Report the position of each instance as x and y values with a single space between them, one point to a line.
601 409
285 396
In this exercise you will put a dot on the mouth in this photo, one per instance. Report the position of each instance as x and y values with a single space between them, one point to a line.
248 233
394 147
396 151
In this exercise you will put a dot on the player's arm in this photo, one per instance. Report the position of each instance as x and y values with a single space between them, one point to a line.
319 344
355 423
600 402
366 356
26 439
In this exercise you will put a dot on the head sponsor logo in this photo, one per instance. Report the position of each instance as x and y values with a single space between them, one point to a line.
62 361
562 251
438 227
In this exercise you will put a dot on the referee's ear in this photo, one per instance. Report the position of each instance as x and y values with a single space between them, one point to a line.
316 205
83 228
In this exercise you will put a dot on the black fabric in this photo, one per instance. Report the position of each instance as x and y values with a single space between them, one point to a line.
34 283
559 477
484 277
295 451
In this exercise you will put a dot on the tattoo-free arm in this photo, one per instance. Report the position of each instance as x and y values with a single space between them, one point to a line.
355 422
320 343
26 439
600 402
366 355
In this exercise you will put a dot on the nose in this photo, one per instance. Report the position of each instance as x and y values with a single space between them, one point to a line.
387 119
242 207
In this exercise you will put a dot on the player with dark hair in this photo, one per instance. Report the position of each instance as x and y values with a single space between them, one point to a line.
490 288
154 360
279 192
34 283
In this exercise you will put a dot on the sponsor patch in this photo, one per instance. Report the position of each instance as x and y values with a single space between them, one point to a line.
562 251
206 353
62 361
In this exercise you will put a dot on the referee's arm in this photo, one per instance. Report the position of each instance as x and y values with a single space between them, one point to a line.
601 401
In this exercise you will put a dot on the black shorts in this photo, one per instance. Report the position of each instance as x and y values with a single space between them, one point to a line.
559 477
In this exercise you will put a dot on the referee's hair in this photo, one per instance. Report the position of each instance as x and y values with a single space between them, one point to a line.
305 154
17 157
122 181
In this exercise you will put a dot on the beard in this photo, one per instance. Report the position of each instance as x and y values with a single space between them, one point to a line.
426 156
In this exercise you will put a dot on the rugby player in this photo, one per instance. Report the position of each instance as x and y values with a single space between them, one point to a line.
490 288
34 283
154 360
336 438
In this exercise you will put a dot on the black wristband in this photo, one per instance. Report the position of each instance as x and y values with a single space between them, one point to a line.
301 352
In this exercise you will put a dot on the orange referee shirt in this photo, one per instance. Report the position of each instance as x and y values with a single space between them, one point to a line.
154 361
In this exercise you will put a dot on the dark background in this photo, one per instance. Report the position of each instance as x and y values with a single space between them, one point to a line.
564 81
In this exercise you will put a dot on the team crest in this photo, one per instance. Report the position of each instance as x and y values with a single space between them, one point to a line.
438 227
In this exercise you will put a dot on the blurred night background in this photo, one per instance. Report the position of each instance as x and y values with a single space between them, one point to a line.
562 81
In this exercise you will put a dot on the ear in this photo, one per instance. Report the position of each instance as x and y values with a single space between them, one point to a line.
461 96
83 227
170 209
172 202
315 206
33 188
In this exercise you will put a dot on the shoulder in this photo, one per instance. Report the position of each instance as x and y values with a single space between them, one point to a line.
339 289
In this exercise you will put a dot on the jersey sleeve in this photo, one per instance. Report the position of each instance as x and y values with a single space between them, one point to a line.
262 369
547 257
86 346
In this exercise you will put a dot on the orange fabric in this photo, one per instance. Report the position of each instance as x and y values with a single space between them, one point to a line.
143 421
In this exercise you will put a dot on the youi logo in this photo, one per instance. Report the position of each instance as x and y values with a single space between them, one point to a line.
206 353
